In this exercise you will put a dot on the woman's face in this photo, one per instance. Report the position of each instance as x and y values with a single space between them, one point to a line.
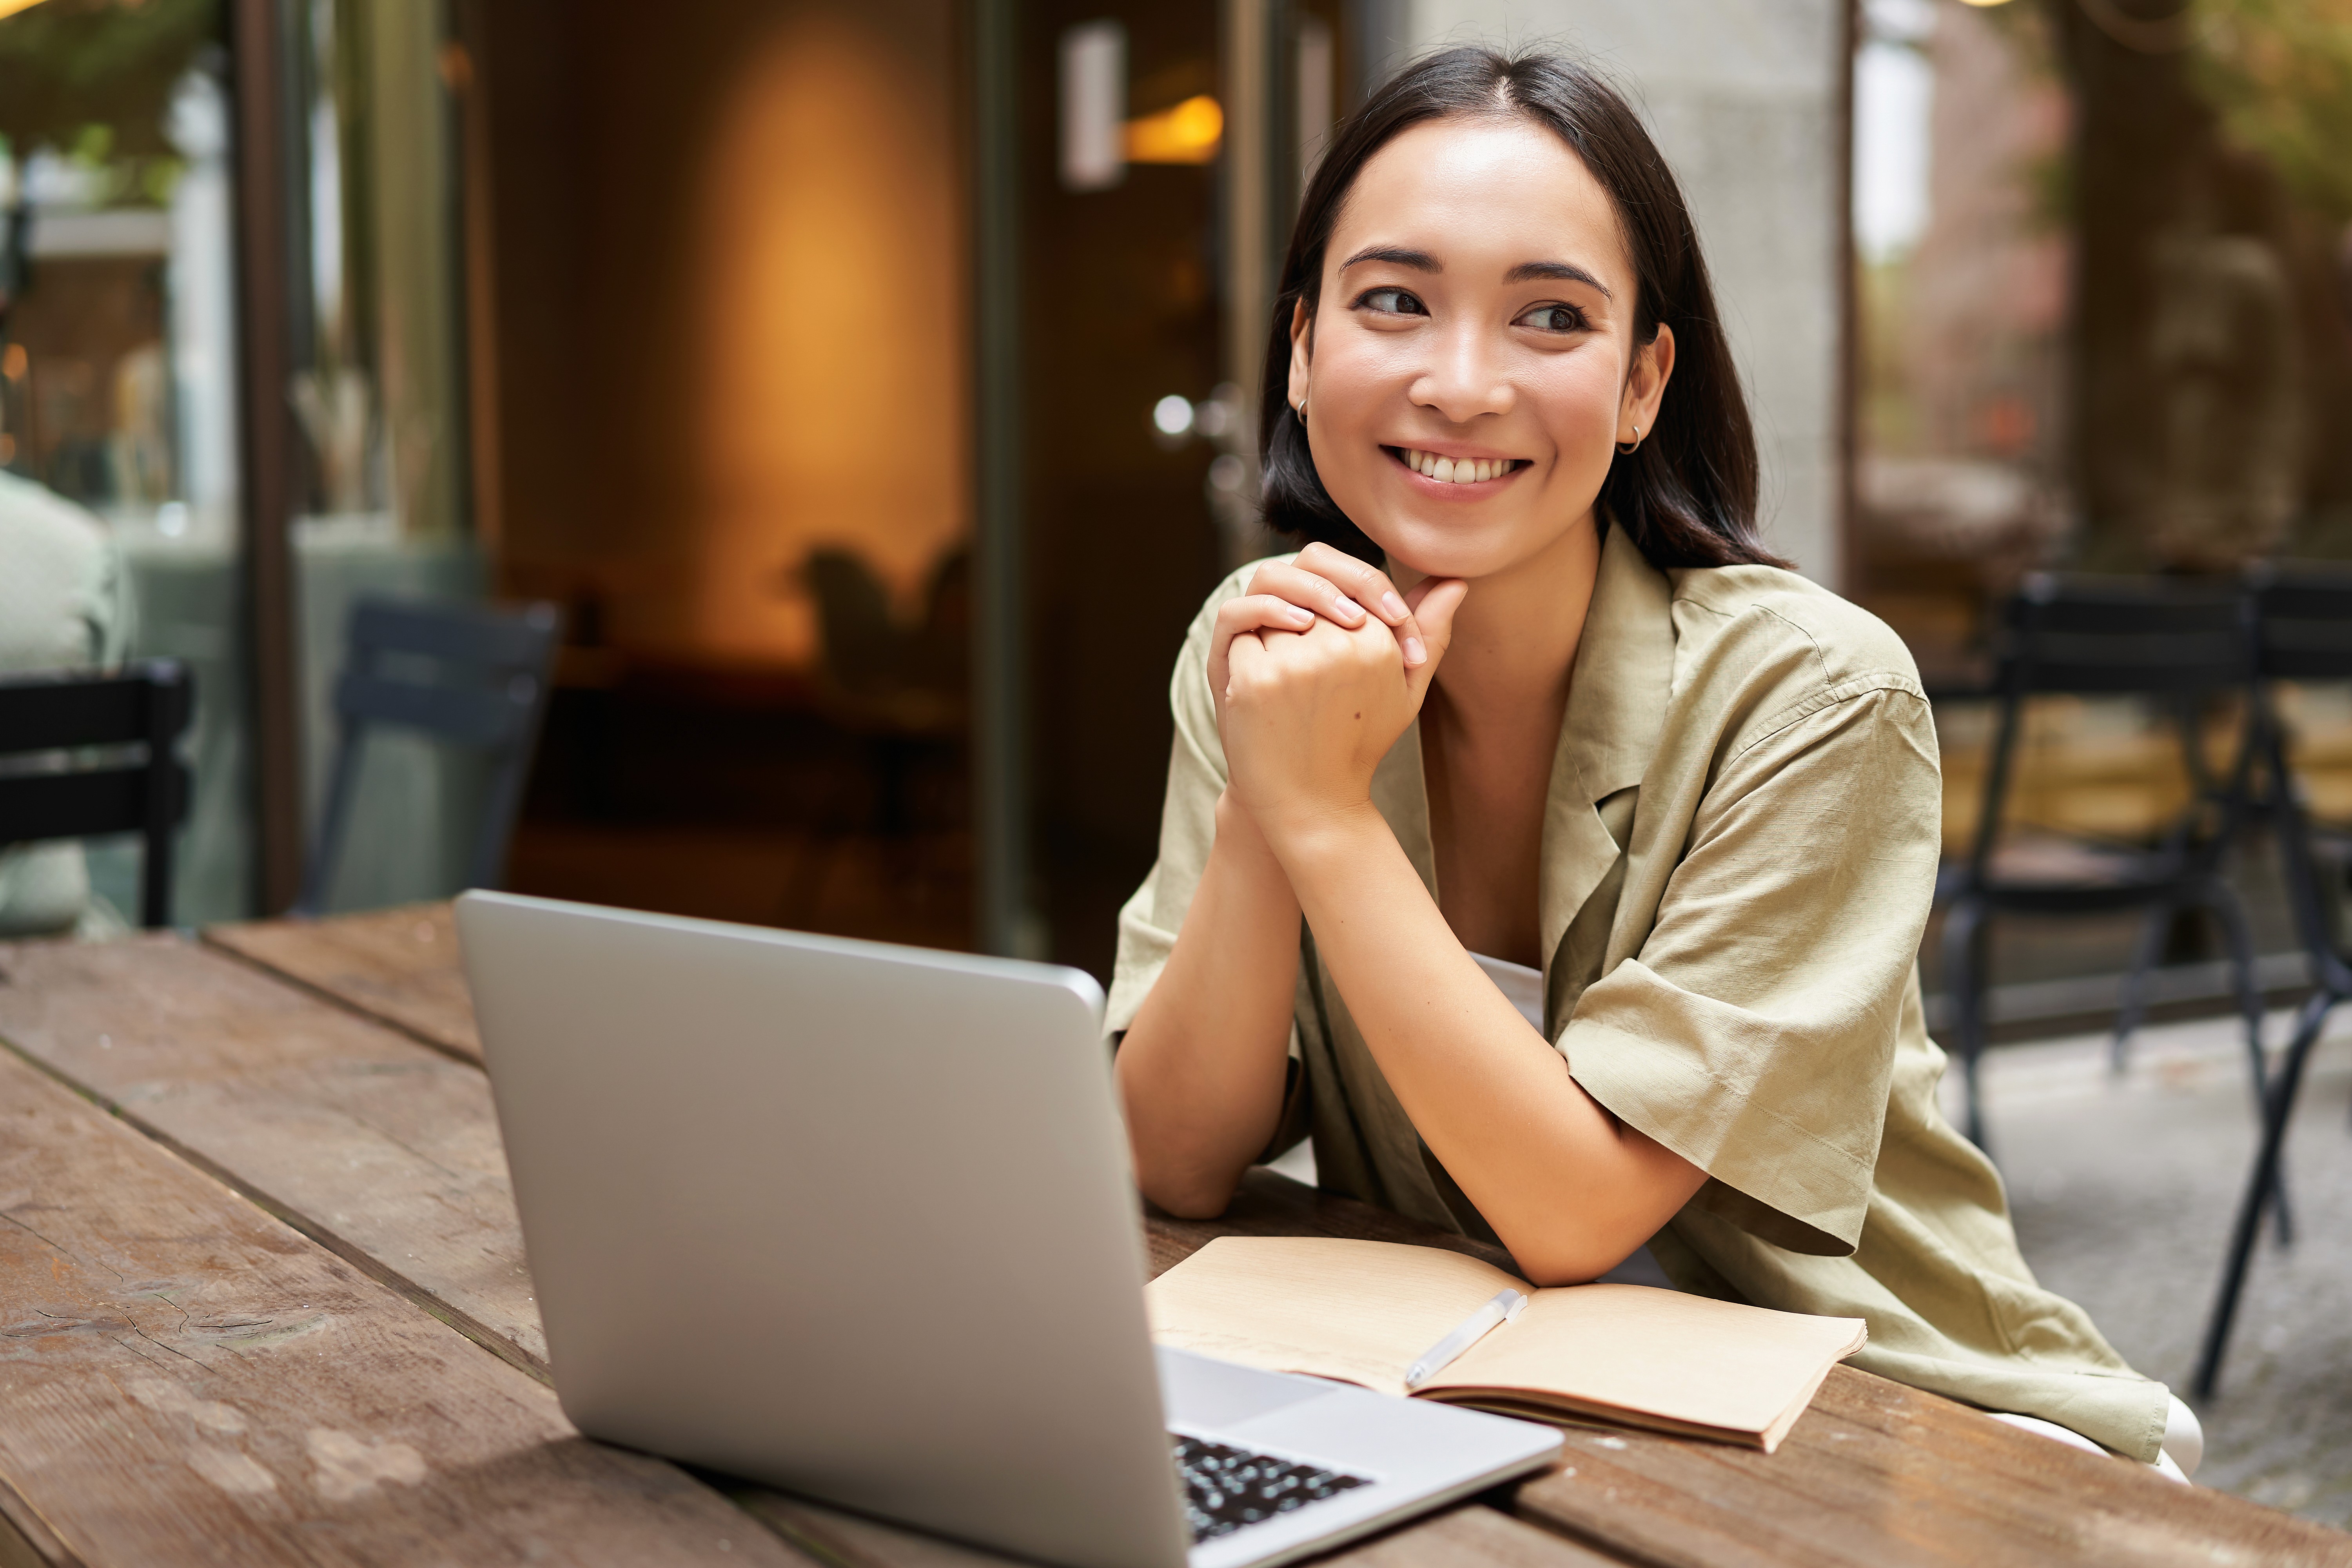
1476 319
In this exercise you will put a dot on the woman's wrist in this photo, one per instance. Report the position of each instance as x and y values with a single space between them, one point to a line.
1307 839
1241 842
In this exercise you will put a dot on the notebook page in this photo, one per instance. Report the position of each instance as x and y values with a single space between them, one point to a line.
1356 1310
1689 1358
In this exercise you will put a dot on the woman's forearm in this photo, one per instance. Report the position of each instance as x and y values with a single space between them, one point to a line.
1570 1189
1203 1068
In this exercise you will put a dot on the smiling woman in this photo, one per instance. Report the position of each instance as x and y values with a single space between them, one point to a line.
1564 879
1689 495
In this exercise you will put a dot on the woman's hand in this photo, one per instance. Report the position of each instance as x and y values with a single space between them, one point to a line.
1321 581
1307 715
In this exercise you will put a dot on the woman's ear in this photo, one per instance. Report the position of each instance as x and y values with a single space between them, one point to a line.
1645 389
1302 346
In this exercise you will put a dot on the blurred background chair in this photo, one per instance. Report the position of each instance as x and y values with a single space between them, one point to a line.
900 690
2177 645
83 755
467 676
2303 633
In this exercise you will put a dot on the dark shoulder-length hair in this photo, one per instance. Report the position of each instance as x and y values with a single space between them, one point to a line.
1686 497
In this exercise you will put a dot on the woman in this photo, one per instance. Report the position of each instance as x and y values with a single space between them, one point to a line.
1584 742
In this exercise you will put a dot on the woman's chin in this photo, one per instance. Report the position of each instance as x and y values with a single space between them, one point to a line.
1433 551
1462 547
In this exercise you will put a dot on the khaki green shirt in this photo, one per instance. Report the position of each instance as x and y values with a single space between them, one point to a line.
1740 849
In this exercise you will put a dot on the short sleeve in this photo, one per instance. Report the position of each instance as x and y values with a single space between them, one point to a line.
1753 1031
1148 921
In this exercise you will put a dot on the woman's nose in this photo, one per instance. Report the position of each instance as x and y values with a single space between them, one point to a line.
1464 378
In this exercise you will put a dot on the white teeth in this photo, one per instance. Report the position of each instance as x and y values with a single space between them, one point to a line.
1456 472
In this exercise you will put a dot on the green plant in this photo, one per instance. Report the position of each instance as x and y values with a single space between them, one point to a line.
2280 73
96 77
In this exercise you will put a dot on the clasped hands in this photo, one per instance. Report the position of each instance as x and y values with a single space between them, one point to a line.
1316 671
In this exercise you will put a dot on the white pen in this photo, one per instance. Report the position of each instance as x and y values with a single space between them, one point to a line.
1467 1332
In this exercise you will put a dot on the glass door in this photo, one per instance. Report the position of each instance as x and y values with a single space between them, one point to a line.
1162 149
119 397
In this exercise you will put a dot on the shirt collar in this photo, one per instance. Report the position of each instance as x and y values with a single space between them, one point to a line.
1624 673
1616 712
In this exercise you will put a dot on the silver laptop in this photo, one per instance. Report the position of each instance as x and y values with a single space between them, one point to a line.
857 1221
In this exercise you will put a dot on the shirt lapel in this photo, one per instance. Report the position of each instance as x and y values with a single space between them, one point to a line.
1616 708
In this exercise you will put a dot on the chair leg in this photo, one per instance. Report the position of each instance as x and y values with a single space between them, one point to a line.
2277 1110
2231 917
1965 933
2132 1006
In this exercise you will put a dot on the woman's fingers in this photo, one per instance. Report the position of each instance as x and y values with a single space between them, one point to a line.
1433 601
1308 591
1361 583
1263 612
1245 617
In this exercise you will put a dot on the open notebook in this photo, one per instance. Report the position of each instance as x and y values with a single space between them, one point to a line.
1362 1311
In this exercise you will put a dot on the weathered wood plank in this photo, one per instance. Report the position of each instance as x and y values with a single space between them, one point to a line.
399 966
383 1150
1466 1537
184 1380
1877 1473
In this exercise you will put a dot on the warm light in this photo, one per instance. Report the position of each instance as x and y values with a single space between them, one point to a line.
1984 3
10 7
14 361
1187 133
829 402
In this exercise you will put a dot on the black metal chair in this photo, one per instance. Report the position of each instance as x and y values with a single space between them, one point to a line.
64 773
2303 632
466 675
2175 644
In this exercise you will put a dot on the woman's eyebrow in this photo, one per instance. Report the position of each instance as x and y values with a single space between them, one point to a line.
1528 271
1396 255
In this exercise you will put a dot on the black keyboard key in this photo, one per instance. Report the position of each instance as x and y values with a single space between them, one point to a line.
1227 1488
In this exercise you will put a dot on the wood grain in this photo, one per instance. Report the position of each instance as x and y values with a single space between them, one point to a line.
399 966
184 1380
1876 1473
1466 1537
382 1149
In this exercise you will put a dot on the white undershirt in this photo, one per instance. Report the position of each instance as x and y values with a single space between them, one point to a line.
1520 986
1523 988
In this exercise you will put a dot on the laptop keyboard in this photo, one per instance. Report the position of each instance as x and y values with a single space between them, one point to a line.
1227 1488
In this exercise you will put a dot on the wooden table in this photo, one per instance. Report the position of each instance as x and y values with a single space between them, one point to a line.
263 1300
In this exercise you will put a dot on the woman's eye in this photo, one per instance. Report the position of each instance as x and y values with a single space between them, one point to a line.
1554 319
1393 302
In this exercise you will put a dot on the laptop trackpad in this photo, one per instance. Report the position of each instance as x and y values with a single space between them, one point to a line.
1200 1391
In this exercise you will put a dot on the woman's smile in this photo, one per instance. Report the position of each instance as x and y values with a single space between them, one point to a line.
1446 471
